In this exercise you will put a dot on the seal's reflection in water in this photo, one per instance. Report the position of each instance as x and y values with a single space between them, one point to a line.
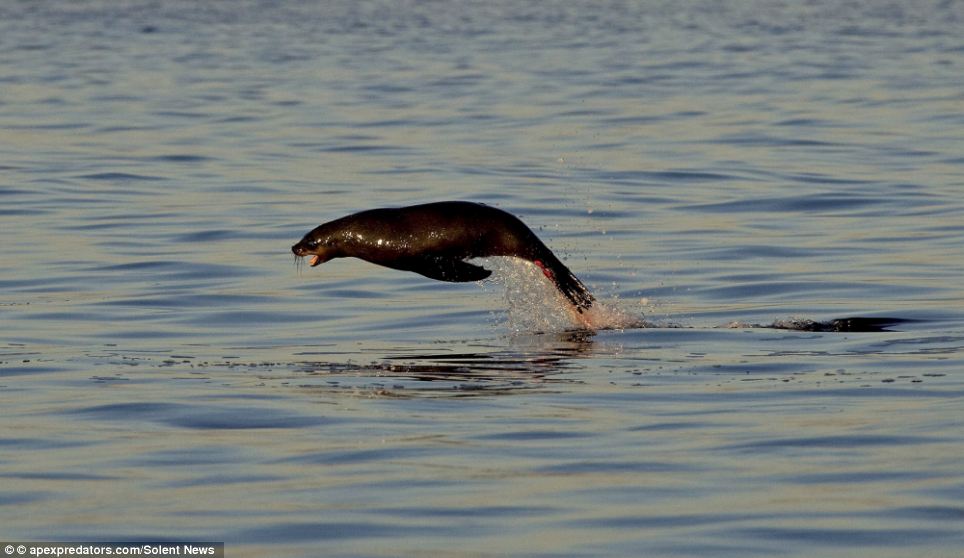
527 362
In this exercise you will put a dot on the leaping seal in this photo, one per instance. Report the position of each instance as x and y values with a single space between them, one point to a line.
435 240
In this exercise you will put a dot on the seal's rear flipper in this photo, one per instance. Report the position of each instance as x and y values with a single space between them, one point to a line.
567 283
575 291
450 269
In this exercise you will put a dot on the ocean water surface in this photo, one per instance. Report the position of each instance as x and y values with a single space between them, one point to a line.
169 372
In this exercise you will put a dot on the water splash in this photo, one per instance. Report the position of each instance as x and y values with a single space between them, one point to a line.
533 304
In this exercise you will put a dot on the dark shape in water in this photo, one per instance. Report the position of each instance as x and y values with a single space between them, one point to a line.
854 324
435 239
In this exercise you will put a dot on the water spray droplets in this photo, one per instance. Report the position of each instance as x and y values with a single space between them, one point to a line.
533 304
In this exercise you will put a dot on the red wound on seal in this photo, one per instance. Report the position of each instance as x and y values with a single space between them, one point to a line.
545 271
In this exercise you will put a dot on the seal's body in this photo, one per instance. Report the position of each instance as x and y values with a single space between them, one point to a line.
435 239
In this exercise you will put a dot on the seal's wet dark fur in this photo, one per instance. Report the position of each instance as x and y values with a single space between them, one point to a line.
436 239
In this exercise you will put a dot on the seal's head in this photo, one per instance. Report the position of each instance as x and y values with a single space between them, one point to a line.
320 245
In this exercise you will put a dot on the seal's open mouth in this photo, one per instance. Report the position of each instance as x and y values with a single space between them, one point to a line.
315 260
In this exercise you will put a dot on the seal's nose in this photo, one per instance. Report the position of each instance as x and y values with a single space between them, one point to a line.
296 250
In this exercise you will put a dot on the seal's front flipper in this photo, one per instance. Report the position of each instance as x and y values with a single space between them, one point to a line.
450 269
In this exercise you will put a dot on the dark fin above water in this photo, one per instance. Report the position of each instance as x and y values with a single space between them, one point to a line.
450 269
855 324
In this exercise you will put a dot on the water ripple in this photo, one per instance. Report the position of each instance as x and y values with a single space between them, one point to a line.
206 417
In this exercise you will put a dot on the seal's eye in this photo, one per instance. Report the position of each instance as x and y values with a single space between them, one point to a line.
312 244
